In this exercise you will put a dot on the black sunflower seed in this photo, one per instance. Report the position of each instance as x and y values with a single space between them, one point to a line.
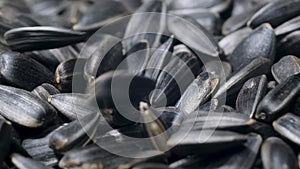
285 67
69 76
22 71
75 134
71 105
276 153
287 126
194 36
30 111
260 43
26 163
275 13
44 91
290 43
288 27
278 99
205 141
39 38
102 56
231 41
250 95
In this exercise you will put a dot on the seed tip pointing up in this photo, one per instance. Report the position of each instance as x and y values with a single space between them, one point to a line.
144 106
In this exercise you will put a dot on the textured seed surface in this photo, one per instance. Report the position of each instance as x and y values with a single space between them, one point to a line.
24 108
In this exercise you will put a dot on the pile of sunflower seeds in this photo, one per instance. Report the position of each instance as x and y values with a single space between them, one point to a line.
213 84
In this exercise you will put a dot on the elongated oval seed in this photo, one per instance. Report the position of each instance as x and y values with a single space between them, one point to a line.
288 126
260 43
22 71
251 94
24 108
72 105
279 98
276 154
285 67
26 163
275 13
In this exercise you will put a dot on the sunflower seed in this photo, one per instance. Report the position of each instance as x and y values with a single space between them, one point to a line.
39 150
210 20
5 130
68 72
275 13
287 126
91 22
44 91
21 71
137 30
43 37
288 27
74 134
257 67
236 22
205 141
198 92
99 63
260 43
200 40
285 67
290 43
250 95
231 41
30 111
72 105
279 98
26 163
277 154
237 160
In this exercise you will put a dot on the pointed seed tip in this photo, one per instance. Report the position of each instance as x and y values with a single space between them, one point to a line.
50 98
249 23
268 26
